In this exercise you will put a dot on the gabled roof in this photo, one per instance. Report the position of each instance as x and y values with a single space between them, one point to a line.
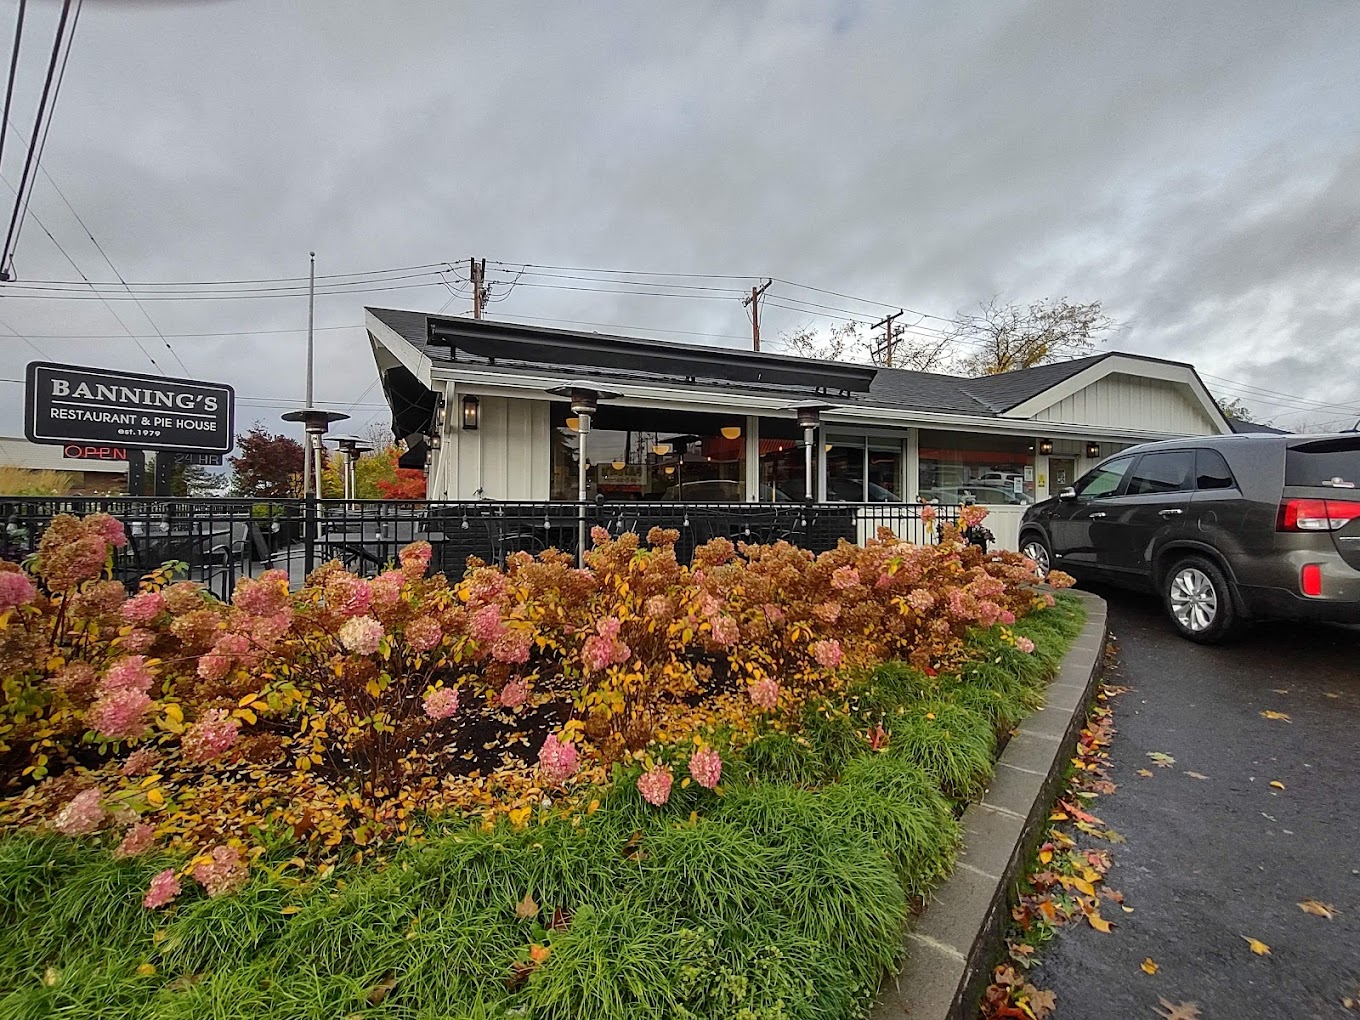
987 396
1243 428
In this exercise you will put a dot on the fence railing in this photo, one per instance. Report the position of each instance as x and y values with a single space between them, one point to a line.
221 539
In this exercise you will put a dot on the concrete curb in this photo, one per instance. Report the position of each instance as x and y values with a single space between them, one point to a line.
952 945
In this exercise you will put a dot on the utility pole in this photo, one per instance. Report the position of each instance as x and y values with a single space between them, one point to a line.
754 302
307 453
479 295
888 338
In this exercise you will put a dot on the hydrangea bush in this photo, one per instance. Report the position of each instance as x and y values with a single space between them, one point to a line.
346 710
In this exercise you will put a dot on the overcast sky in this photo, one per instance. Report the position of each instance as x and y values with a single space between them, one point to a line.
1195 166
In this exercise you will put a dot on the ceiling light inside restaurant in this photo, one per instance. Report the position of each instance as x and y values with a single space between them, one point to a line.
661 449
731 431
574 424
617 465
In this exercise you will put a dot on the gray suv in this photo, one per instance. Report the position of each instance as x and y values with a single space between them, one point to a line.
1223 528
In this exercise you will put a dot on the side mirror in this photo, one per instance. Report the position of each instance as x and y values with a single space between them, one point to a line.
1068 495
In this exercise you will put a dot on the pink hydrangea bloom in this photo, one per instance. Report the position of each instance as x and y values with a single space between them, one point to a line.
386 588
705 765
557 760
486 625
361 634
81 560
262 597
423 633
659 607
212 735
139 839
599 535
141 762
1049 600
1007 617
1025 645
143 608
827 612
773 614
764 693
138 640
16 590
81 816
708 604
442 703
415 558
844 577
608 627
928 514
163 890
724 630
988 612
120 714
267 631
513 646
110 529
827 653
655 785
920 600
488 584
513 694
972 515
348 595
129 673
214 666
225 872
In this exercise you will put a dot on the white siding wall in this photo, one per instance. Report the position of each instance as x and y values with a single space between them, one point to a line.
1121 402
507 457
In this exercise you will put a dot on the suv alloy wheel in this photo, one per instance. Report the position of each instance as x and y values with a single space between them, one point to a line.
1035 547
1199 600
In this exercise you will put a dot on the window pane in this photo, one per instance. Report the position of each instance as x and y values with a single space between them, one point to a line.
990 469
1211 470
1104 480
885 476
845 473
1333 463
1163 472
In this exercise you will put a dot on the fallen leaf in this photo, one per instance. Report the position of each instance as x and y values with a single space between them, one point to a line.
1147 966
1183 1011
526 907
1320 909
1127 910
1275 715
1257 946
1280 690
1331 695
1040 1002
146 969
539 953
1277 784
1197 775
1145 773
1099 923
380 991
1161 759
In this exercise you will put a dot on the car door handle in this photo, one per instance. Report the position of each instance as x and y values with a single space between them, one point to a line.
1098 513
1170 513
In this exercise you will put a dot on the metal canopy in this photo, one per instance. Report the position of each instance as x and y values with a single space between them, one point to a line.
536 345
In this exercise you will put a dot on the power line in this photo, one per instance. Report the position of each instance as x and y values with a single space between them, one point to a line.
6 255
288 290
66 295
436 267
13 69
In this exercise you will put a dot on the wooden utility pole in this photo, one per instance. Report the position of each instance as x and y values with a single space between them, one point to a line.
478 287
754 302
888 337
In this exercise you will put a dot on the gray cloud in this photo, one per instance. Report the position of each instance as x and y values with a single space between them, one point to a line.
1195 167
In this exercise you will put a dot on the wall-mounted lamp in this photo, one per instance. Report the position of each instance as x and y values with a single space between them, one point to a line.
661 449
436 442
1045 446
1093 449
827 447
472 413
731 431
442 413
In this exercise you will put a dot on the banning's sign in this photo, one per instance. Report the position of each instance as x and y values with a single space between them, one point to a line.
66 404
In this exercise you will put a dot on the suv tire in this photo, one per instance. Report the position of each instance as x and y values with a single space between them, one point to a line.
1199 600
1036 547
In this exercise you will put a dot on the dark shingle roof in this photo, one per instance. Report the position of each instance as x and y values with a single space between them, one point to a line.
1242 428
986 396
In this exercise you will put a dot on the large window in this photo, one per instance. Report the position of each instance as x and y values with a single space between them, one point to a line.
646 454
958 466
863 470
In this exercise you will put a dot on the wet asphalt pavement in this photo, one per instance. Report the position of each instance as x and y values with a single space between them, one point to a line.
1211 860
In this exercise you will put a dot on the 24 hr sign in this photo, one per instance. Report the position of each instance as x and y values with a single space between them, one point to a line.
70 404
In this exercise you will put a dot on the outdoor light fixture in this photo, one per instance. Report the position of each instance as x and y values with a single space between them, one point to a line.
670 469
574 424
1093 449
1045 446
827 448
731 431
472 413
436 442
618 465
661 449
441 414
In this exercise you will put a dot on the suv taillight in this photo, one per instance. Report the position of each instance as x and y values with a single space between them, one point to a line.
1317 514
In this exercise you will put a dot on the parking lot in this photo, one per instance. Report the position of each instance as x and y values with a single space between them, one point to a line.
1215 853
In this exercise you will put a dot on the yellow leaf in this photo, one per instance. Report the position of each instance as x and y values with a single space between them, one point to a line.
539 953
1083 886
246 714
526 907
174 712
1275 715
1147 966
593 807
246 700
1257 946
1277 784
292 909
1319 909
1045 856
1145 773
519 816
1099 923
146 969
155 798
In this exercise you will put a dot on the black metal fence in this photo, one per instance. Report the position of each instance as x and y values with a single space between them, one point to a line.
223 539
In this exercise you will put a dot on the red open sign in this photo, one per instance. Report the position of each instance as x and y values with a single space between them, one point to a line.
77 452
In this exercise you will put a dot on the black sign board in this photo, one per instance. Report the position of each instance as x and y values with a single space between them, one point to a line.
67 404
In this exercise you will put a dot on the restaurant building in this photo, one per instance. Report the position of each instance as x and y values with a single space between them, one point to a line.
493 410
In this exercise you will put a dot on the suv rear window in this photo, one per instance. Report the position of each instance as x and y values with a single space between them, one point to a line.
1324 462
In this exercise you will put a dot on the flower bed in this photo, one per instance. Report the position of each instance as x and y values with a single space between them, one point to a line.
641 788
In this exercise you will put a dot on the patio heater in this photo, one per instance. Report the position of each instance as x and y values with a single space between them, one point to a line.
584 404
315 424
348 455
809 417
